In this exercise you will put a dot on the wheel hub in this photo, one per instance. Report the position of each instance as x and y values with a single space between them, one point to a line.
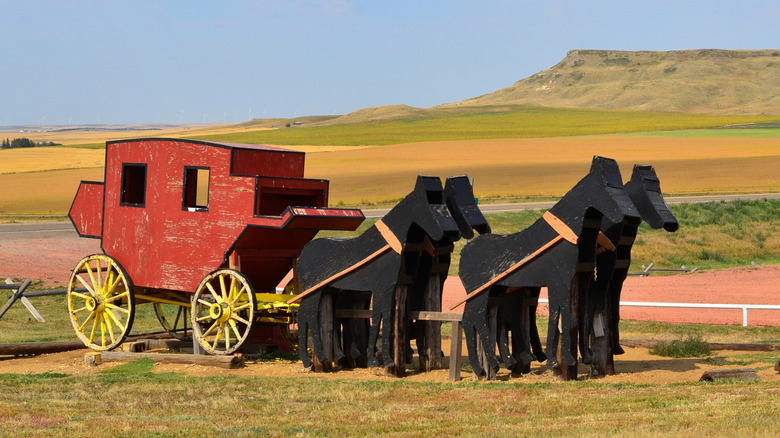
220 312
92 304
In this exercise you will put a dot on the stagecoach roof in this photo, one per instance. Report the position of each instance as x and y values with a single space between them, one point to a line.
209 143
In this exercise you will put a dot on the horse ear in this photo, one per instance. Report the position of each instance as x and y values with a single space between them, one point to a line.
645 175
431 187
608 169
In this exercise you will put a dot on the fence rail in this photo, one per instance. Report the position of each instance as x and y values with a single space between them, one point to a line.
744 307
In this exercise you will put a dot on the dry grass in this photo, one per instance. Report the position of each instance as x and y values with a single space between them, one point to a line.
503 168
49 158
48 193
548 167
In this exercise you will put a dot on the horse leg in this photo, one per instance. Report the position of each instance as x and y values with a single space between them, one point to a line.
503 341
586 304
552 333
614 297
474 316
371 351
533 335
309 317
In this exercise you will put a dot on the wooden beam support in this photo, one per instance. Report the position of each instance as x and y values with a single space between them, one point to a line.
214 361
736 374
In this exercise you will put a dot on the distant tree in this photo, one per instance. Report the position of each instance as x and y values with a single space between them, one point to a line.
22 143
6 144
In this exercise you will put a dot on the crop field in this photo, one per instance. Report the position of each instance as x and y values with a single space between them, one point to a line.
528 155
503 169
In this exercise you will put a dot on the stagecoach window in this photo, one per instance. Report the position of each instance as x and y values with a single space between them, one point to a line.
133 185
196 188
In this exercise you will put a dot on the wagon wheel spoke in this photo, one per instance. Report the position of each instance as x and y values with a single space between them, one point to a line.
239 319
213 292
223 298
86 286
103 317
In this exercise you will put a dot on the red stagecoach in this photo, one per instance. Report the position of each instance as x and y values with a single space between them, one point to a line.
205 231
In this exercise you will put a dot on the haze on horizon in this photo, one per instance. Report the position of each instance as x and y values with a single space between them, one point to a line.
89 62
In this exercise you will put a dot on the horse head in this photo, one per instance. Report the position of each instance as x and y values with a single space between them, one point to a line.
609 197
423 211
463 207
644 189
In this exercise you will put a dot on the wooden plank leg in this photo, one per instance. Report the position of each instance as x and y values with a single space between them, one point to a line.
325 364
398 342
196 350
455 350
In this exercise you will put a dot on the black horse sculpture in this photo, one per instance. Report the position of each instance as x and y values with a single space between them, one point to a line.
557 251
434 263
374 262
644 189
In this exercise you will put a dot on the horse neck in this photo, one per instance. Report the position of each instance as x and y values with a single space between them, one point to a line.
573 208
399 220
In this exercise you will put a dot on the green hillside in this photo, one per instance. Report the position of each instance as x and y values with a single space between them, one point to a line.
687 81
477 123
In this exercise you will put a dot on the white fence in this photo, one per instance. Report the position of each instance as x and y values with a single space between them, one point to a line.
744 307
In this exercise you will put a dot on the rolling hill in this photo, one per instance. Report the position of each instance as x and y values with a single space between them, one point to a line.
689 81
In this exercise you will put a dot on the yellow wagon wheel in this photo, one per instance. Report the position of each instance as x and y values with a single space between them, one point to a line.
101 303
174 319
223 311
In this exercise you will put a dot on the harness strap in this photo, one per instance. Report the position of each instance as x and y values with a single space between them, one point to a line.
604 244
389 236
564 233
392 243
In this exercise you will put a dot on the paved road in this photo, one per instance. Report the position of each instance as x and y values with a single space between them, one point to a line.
43 228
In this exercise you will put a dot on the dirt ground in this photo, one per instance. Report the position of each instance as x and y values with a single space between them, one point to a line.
51 256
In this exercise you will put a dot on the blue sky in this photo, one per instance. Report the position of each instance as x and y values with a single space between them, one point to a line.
167 61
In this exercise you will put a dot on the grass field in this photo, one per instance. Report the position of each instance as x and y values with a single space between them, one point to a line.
133 401
488 123
522 153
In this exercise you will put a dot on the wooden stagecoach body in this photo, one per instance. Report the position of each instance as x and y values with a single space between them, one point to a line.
171 211
260 211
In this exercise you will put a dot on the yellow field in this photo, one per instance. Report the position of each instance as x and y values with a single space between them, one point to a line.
548 167
30 181
49 158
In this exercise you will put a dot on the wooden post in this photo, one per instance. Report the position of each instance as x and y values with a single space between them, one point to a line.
17 293
601 344
736 374
455 350
430 351
325 364
398 341
206 360
196 350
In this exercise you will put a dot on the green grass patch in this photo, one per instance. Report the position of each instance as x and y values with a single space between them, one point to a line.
691 346
518 122
755 130
312 406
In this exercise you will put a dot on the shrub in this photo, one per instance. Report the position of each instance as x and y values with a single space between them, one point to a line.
691 346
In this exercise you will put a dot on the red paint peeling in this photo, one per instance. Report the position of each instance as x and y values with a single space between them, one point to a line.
162 244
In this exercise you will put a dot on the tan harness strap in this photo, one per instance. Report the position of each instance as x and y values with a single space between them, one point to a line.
389 236
604 244
564 233
560 227
392 243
